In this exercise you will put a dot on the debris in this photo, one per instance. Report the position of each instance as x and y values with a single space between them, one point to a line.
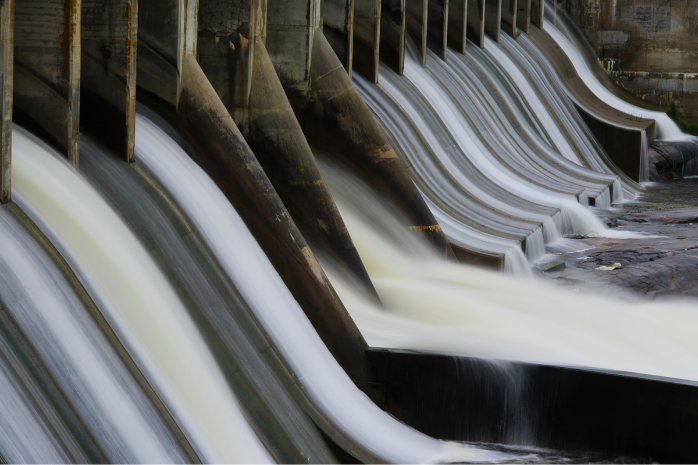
553 266
615 266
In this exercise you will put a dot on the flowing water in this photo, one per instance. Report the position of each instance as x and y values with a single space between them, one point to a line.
137 301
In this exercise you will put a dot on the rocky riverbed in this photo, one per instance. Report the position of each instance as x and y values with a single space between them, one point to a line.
662 262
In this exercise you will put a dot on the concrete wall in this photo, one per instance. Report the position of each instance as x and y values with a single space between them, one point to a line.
47 70
647 46
476 22
509 13
367 23
437 28
393 28
493 18
417 17
338 26
457 24
7 10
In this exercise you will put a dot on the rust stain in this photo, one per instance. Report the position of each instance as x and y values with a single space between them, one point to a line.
433 228
129 40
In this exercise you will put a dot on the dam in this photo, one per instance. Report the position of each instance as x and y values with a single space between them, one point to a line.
344 231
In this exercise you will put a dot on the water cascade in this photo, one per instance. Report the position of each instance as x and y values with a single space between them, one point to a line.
137 301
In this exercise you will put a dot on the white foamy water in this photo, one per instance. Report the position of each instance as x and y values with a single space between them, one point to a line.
359 420
435 305
138 302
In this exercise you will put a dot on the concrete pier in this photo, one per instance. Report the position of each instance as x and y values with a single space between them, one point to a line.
493 18
437 28
108 72
538 12
523 15
393 28
458 24
367 24
338 25
47 71
476 22
7 17
417 25
509 13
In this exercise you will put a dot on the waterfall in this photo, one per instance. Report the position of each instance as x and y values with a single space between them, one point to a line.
326 384
136 300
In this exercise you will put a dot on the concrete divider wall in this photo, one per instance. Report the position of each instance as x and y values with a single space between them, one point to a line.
523 15
476 22
509 13
437 27
338 26
458 24
537 12
7 17
417 22
367 23
47 71
108 72
493 18
393 28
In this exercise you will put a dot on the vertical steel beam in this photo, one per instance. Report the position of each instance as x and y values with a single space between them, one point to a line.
7 16
47 71
538 12
493 18
523 16
367 26
437 28
108 72
417 23
509 13
338 26
458 24
476 22
393 24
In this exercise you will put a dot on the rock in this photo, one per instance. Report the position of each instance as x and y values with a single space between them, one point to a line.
554 266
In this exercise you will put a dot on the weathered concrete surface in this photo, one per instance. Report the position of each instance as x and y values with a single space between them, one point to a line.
510 11
537 12
672 160
437 27
47 71
473 258
108 72
393 28
647 46
417 23
619 134
7 17
476 22
493 18
338 26
458 24
367 24
229 161
523 15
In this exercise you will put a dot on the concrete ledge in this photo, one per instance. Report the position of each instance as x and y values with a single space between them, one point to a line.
417 17
572 409
523 15
108 72
367 22
476 22
475 258
510 11
458 24
7 45
393 28
338 26
619 134
493 18
47 85
437 28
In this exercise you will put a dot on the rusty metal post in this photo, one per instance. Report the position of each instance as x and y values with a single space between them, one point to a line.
493 18
509 14
47 71
523 16
475 17
538 12
7 16
437 28
338 26
417 24
457 24
108 73
393 23
367 26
